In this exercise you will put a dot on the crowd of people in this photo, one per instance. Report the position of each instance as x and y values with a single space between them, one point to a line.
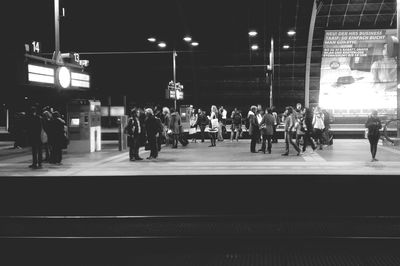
303 127
152 127
45 131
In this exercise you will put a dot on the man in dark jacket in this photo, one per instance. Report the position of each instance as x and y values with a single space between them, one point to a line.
134 129
34 135
153 130
254 130
202 121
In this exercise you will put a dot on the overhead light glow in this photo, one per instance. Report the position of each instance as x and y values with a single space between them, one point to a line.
195 44
286 46
252 33
80 83
162 45
291 32
254 47
187 39
151 39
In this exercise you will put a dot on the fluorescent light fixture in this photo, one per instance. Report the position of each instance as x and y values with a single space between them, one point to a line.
80 76
151 39
187 39
40 70
40 78
291 32
80 83
162 45
254 47
252 33
195 44
286 46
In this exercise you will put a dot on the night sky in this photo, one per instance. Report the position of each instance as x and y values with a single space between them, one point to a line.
221 27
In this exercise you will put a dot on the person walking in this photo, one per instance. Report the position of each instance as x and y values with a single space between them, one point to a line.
236 126
308 130
213 130
318 124
174 126
153 130
373 125
289 133
166 120
266 128
202 121
34 128
133 129
254 130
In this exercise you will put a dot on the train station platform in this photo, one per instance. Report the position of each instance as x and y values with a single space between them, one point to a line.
344 157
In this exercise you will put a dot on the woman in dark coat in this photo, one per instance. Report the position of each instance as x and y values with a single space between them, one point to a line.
267 131
174 126
373 124
308 117
58 138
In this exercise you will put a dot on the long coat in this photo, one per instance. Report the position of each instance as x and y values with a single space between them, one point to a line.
253 128
132 129
175 122
268 121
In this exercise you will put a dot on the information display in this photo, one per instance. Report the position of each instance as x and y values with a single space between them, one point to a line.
359 72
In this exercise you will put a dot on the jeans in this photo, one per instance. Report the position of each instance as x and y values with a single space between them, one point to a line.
289 139
373 142
264 139
134 149
37 154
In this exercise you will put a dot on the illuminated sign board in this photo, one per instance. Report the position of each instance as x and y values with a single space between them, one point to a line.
62 76
359 72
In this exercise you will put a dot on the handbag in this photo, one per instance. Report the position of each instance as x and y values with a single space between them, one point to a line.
43 136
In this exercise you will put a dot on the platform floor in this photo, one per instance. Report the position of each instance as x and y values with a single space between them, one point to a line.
346 156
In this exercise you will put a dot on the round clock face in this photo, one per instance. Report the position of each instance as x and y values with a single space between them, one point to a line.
64 77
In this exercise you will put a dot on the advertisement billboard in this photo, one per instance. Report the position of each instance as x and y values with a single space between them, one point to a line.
359 72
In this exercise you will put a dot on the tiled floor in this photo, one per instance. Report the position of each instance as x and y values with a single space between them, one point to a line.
346 156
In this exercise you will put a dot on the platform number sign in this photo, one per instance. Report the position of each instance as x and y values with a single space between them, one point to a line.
36 47
76 57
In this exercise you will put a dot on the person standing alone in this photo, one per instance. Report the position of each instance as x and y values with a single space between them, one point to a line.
374 125
35 127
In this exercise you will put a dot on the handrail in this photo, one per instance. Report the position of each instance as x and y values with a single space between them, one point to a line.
385 130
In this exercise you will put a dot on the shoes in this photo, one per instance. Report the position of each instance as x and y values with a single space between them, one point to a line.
211 145
32 166
138 159
60 163
269 152
132 159
285 154
174 147
254 151
374 160
150 157
39 167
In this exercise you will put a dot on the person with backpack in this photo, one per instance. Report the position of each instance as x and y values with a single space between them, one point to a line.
236 126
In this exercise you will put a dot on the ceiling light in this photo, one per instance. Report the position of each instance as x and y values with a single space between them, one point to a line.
162 45
151 39
252 33
254 47
195 44
291 32
286 46
187 39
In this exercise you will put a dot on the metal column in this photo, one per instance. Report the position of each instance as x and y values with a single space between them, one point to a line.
308 59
